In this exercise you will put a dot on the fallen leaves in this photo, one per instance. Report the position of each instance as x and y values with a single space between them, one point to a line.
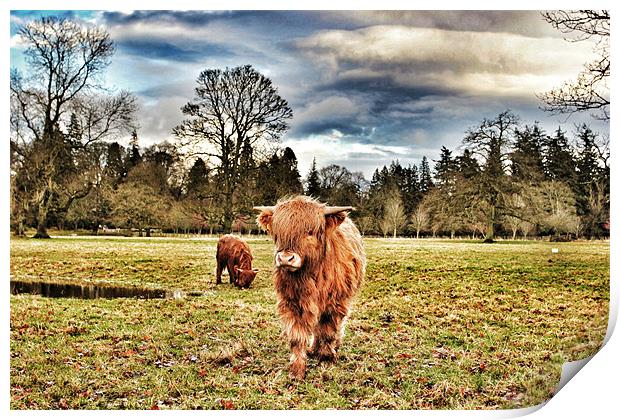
74 330
226 404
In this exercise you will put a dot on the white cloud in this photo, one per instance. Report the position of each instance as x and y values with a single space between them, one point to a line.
332 107
330 148
474 62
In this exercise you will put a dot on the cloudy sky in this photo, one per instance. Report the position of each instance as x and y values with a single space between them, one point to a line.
365 87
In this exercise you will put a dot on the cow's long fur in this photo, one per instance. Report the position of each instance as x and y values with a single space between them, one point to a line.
314 301
234 255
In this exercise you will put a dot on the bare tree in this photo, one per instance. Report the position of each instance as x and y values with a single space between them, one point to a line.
235 114
590 91
394 216
65 60
526 228
513 223
420 218
365 223
514 220
555 205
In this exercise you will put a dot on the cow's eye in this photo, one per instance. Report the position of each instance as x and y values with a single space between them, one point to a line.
310 232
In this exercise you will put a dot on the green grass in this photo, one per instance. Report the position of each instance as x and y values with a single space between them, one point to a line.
438 324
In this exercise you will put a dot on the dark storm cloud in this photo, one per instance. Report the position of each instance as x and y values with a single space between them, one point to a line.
150 48
382 91
524 22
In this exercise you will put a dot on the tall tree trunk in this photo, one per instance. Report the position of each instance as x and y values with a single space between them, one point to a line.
228 214
41 222
490 234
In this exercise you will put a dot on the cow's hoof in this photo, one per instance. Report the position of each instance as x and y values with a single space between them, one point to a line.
327 355
297 372
313 352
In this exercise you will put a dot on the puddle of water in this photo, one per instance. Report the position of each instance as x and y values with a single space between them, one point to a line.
90 291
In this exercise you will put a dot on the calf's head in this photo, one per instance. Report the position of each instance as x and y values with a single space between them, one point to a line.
299 227
245 277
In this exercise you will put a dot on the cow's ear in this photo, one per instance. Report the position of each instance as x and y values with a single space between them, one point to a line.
264 220
332 221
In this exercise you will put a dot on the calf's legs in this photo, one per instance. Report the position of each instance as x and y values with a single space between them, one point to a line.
327 334
218 273
298 324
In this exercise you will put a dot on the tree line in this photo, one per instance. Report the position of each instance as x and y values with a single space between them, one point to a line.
70 170
509 178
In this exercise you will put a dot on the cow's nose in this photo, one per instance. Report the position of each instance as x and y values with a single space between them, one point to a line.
288 260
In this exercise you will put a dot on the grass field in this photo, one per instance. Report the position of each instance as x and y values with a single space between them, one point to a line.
438 324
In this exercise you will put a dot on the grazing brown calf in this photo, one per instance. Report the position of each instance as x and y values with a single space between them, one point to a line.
234 254
319 266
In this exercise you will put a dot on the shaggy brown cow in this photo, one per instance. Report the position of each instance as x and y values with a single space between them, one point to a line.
234 254
319 266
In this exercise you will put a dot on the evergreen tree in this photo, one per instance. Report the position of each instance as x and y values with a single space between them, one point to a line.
527 157
592 196
397 174
290 179
444 167
74 131
134 157
411 189
467 165
313 186
197 178
559 162
426 182
115 169
587 161
267 181
278 177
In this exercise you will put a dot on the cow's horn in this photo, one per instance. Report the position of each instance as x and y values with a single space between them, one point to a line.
264 208
334 210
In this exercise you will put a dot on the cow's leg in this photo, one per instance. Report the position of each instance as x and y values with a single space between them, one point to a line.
328 333
298 324
231 273
218 273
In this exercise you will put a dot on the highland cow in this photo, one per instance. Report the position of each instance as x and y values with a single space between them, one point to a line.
235 255
319 267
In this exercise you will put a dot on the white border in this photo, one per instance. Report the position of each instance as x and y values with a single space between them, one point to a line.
592 393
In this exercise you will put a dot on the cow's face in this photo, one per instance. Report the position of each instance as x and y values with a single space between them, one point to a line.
299 228
245 277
